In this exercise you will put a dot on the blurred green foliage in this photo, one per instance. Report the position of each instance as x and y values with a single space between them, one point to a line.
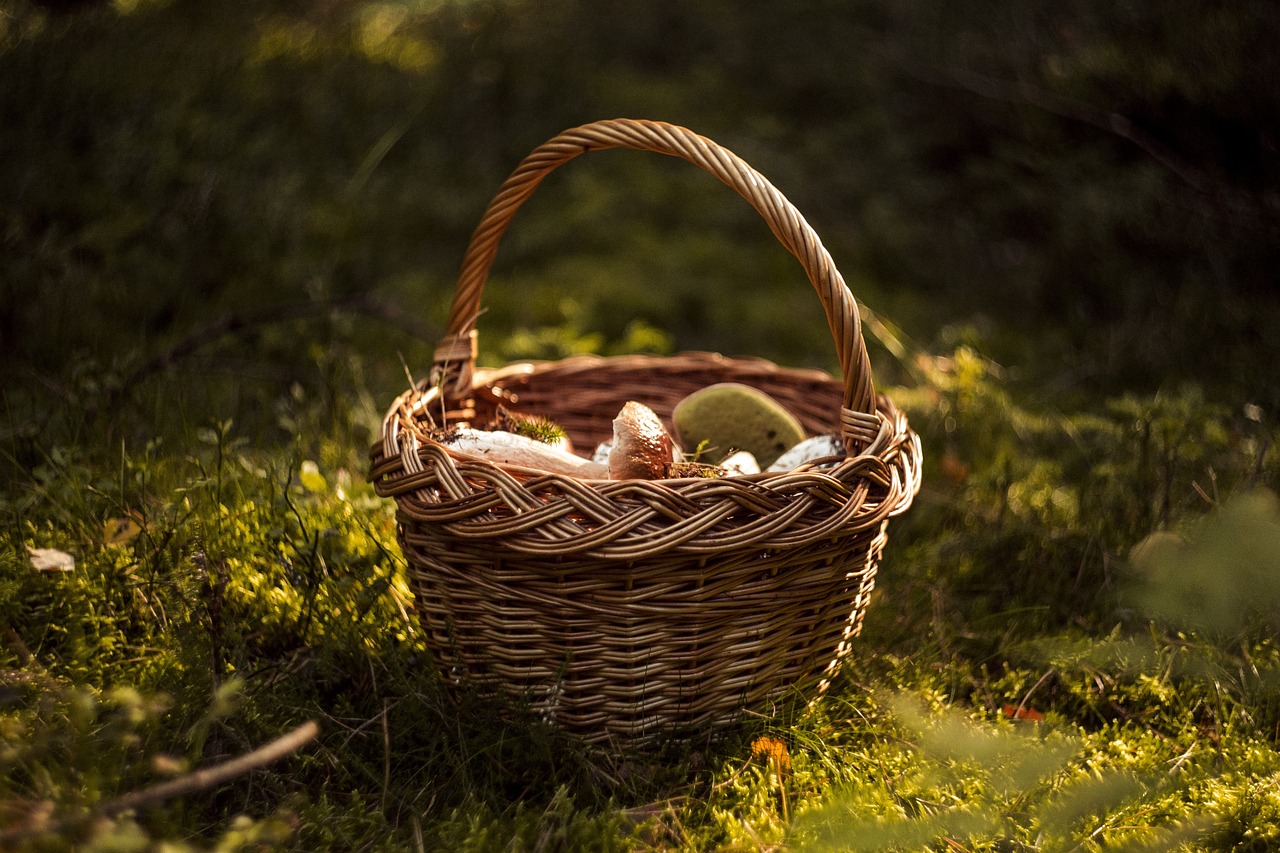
189 189
229 229
1226 577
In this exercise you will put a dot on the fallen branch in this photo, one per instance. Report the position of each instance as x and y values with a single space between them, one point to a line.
199 780
211 777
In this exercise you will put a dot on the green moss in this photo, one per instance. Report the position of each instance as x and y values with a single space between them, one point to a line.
536 427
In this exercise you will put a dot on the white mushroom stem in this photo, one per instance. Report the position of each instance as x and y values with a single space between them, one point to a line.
742 462
506 448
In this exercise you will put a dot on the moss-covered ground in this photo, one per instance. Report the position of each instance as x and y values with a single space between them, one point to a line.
228 229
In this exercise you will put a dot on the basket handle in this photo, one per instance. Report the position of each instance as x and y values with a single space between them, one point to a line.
455 354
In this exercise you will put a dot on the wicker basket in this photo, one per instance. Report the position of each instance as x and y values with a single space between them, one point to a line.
637 609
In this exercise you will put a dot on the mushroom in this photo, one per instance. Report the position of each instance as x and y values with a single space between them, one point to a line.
642 447
508 448
809 450
740 462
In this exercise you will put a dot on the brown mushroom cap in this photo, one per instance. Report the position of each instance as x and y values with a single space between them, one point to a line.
642 448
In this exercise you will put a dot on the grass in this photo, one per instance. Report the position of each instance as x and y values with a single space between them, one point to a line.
1023 684
224 251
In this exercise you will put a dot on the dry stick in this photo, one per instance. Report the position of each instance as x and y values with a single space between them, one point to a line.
197 781
210 777
418 844
1022 706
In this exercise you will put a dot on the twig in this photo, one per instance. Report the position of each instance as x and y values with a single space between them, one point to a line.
216 775
1181 759
198 780
1022 706
418 844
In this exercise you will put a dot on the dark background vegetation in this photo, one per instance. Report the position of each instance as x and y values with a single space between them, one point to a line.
1087 190
228 228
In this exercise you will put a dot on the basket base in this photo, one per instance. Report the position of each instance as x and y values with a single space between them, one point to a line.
619 655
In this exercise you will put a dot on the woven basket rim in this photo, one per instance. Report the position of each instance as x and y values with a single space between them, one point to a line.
882 481
403 413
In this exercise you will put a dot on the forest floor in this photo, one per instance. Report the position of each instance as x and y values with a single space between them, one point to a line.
230 230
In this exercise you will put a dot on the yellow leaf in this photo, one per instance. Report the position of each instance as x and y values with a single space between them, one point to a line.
118 531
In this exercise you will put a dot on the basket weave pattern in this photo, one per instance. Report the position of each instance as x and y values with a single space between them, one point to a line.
633 609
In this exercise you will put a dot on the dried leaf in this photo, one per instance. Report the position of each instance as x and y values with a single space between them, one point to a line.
51 560
1013 712
118 531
